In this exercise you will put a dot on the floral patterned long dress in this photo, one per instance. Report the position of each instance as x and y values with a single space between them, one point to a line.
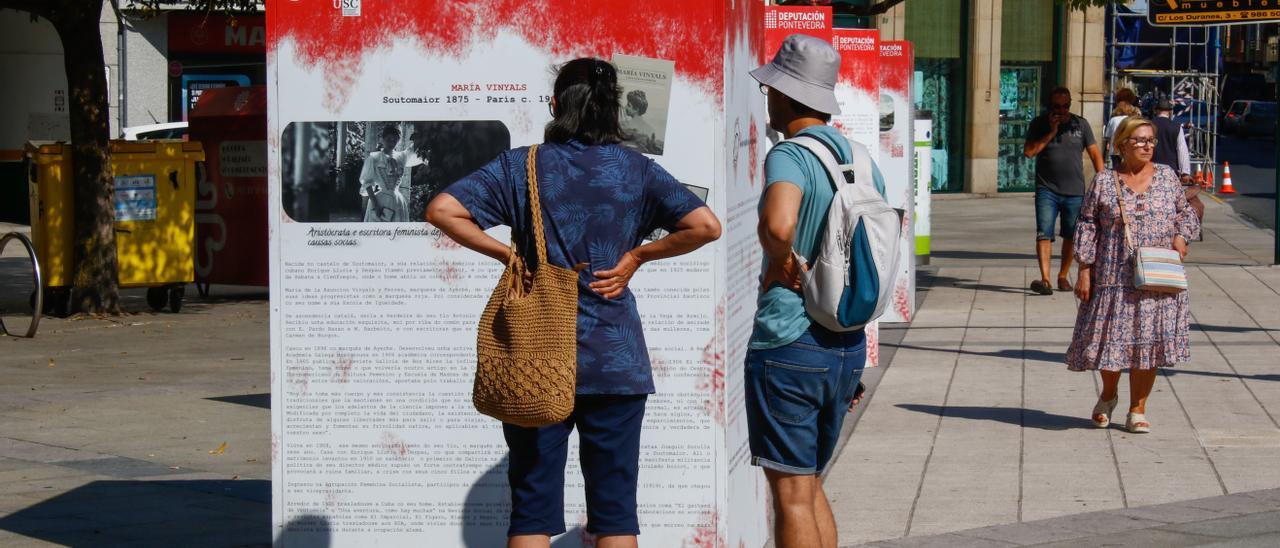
1121 327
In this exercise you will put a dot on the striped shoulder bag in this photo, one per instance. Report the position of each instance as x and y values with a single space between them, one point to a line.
1154 268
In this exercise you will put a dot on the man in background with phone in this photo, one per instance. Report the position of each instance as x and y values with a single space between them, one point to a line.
1056 139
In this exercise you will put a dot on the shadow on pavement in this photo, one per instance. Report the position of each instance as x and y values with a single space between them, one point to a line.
1027 418
1185 371
981 255
262 400
487 508
156 513
1231 328
1010 353
310 531
936 281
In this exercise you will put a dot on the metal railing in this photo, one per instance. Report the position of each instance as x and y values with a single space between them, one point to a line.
37 298
1197 90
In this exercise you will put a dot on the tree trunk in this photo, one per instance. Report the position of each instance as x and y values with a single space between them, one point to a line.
96 283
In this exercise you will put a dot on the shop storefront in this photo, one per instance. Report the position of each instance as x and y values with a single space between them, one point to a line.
938 30
1028 70
212 51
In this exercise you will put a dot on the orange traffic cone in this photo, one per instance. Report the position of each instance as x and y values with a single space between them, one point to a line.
1226 179
1199 178
1208 182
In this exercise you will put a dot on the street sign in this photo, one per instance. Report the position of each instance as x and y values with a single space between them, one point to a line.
1211 12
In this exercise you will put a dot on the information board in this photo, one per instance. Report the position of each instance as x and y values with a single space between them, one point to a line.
373 313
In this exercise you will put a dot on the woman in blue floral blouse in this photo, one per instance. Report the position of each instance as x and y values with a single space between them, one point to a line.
600 200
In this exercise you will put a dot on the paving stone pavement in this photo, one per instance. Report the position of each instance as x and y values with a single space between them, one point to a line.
112 431
978 435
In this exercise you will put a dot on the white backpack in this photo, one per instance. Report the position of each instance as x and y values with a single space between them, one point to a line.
849 283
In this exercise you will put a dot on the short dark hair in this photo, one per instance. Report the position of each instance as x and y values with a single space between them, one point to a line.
806 110
588 100
389 130
636 99
1060 90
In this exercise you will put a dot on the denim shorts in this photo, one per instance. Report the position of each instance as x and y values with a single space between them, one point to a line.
797 397
609 452
1050 206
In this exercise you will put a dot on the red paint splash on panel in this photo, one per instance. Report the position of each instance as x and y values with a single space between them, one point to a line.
441 241
448 272
873 344
706 536
342 365
896 65
691 33
713 357
394 446
902 300
746 23
754 157
859 58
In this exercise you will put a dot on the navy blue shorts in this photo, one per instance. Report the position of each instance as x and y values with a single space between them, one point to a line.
797 397
609 452
1051 206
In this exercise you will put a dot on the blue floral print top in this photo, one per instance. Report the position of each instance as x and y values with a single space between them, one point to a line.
598 202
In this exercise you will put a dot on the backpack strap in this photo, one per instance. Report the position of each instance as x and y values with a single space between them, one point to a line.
862 162
827 155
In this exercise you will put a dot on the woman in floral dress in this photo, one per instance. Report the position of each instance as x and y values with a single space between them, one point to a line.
1119 327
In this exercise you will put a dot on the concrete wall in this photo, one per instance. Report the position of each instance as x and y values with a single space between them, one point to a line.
893 23
146 86
1085 75
31 62
1086 69
982 157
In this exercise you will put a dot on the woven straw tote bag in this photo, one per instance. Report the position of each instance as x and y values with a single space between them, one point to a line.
526 348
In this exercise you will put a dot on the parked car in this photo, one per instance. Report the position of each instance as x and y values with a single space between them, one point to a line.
1248 117
1242 86
171 130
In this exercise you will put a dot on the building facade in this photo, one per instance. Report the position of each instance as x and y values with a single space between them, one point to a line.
983 68
156 67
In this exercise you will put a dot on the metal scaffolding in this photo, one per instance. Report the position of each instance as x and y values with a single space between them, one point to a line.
1190 79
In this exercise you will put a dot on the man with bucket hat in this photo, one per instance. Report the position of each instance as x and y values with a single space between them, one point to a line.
801 379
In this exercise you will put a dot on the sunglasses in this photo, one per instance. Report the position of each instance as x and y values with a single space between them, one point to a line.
1144 143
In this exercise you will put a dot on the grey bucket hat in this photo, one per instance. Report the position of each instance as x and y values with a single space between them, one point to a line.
805 69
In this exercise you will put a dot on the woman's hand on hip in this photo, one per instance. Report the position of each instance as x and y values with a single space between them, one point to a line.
613 282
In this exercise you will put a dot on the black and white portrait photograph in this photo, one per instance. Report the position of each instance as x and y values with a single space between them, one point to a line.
372 172
646 98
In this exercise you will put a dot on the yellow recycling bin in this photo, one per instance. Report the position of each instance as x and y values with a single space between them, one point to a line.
155 191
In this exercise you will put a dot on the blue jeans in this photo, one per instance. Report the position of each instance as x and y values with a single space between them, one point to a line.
797 397
1051 206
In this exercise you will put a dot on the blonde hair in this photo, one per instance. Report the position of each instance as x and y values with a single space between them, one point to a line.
1130 125
1126 109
